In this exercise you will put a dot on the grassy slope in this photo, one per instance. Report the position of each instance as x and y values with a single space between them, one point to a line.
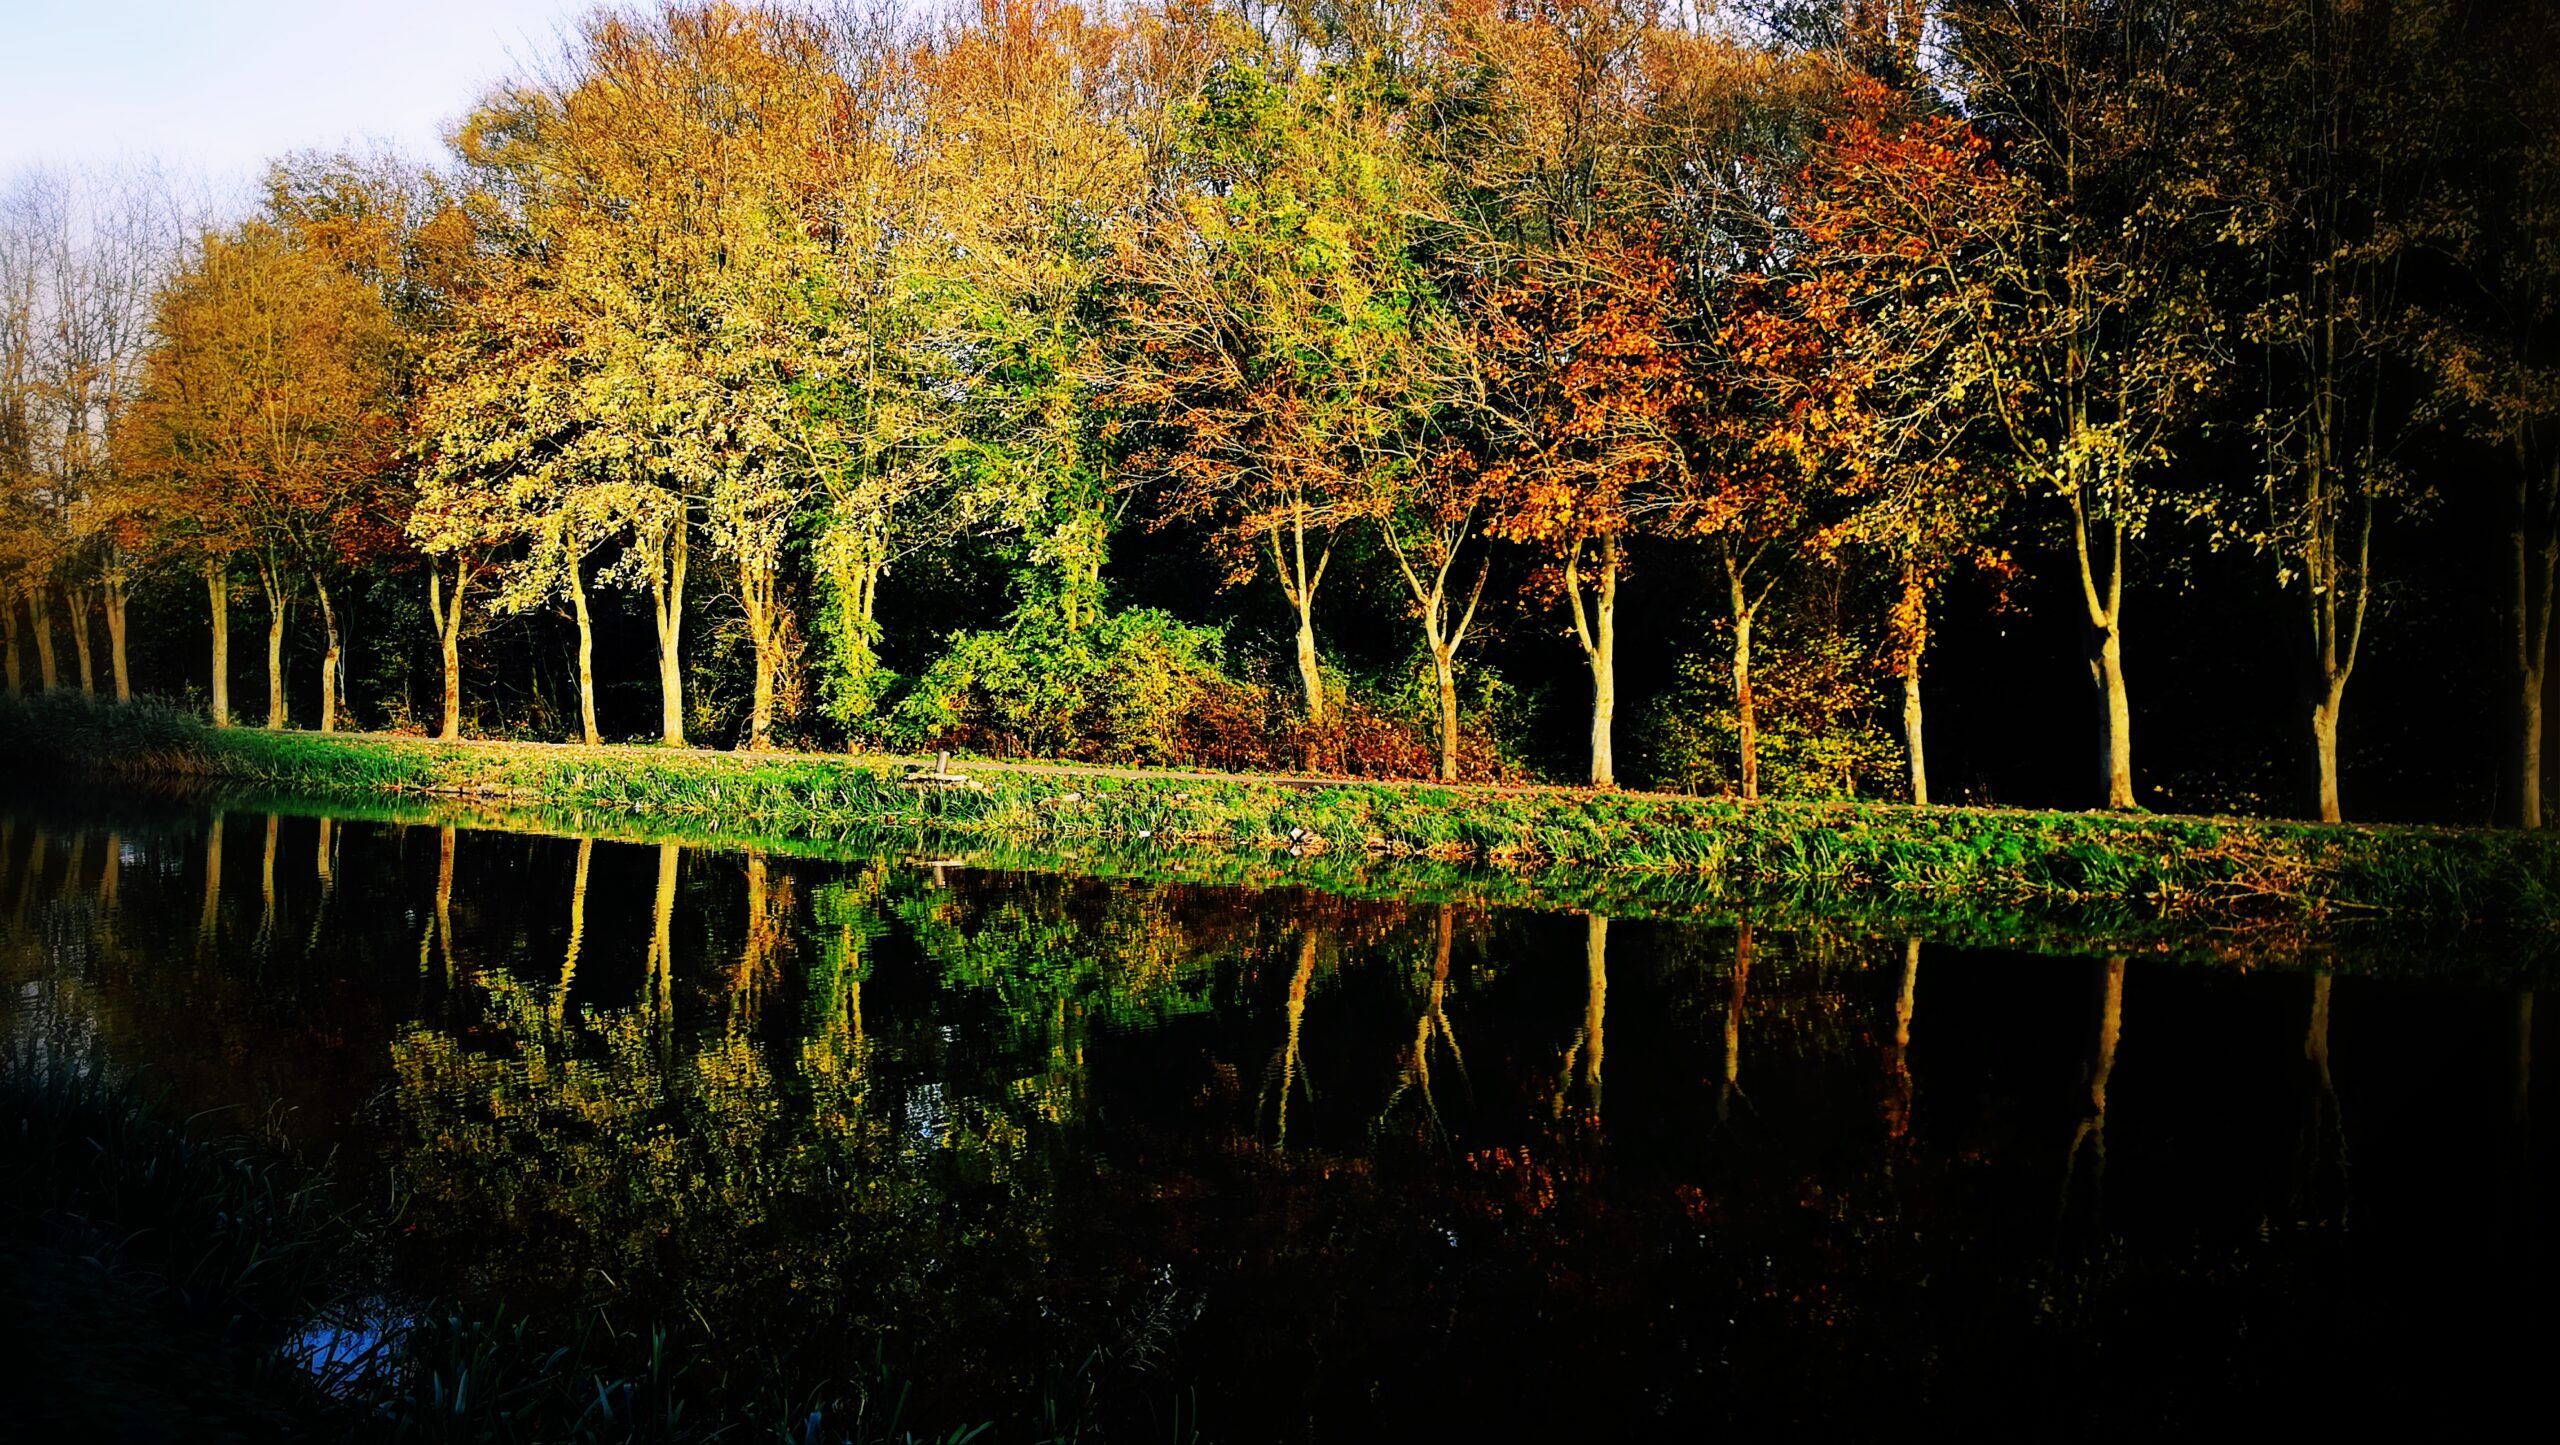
2156 865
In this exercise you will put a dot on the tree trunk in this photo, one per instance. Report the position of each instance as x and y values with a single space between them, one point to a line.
662 965
1914 617
1442 634
75 601
2531 613
328 657
2115 716
444 899
1598 633
1444 666
40 606
1298 583
210 918
217 590
113 580
267 881
2104 606
577 930
2324 742
757 595
2529 750
448 622
1732 1088
666 592
1595 1005
276 609
1310 675
9 626
1299 983
1744 713
586 658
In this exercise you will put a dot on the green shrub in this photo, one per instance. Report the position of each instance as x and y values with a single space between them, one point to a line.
1117 690
1815 702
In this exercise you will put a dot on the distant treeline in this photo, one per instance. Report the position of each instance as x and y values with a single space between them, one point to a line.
858 370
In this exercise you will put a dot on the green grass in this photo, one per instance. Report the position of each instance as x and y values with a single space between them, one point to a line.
2154 865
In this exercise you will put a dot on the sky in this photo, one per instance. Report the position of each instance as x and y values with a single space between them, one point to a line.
217 87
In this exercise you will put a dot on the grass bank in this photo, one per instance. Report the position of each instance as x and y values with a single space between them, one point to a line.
2160 866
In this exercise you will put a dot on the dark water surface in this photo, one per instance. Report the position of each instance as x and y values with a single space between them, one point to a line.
1314 1168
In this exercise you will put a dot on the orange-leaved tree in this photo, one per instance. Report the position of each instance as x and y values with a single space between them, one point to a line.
1589 401
1867 369
268 417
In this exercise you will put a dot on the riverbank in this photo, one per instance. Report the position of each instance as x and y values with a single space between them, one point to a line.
2159 865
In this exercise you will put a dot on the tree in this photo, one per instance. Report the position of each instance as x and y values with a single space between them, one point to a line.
85 254
2073 272
662 313
1427 517
2495 349
1283 335
1577 311
1046 121
1869 368
2340 113
1588 402
268 419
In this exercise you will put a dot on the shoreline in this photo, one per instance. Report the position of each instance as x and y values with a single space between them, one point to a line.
2158 866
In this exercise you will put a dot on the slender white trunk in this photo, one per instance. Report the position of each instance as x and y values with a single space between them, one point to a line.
448 622
276 609
40 607
217 590
1597 630
328 657
667 594
9 626
75 601
112 582
586 658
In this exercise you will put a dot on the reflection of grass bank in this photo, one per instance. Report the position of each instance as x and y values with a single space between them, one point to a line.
2154 866
167 1279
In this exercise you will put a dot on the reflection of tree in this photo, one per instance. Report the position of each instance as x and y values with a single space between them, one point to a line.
209 921
2320 1159
2520 1225
560 1160
834 1049
1431 1025
439 930
577 929
1898 1089
661 996
2091 1132
325 857
1590 1039
267 886
771 903
1292 1067
1731 1088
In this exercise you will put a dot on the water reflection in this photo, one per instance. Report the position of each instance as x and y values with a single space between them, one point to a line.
1206 1139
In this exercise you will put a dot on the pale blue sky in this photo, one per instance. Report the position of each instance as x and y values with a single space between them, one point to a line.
218 86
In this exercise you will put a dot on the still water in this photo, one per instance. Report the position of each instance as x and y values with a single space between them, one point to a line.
1304 1167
